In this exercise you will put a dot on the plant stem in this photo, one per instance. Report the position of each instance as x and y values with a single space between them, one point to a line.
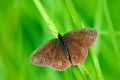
110 26
51 26
96 64
45 16
68 73
73 13
87 72
77 73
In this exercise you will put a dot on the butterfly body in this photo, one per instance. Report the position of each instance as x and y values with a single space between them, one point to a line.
63 46
69 49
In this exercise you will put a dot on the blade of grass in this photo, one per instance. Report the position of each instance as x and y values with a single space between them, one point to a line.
68 74
87 72
98 22
98 16
51 25
111 29
77 23
73 13
2 70
82 71
45 16
77 73
96 64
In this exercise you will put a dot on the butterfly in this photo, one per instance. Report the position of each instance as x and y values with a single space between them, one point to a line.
64 51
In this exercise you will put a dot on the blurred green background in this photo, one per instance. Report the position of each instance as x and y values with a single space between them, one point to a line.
23 28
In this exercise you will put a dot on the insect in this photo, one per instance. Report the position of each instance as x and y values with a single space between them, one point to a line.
64 51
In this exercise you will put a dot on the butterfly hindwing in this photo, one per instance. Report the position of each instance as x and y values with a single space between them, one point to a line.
77 53
60 60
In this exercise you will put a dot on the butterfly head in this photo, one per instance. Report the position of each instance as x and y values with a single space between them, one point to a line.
59 35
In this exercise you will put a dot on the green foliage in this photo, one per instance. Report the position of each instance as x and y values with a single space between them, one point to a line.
24 25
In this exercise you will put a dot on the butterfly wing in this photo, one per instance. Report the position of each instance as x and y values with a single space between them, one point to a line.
60 61
78 41
50 54
43 55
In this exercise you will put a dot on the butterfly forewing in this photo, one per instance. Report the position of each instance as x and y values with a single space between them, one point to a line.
78 41
50 54
44 55
84 37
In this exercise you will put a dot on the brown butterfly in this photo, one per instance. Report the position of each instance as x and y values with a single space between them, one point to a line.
65 51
